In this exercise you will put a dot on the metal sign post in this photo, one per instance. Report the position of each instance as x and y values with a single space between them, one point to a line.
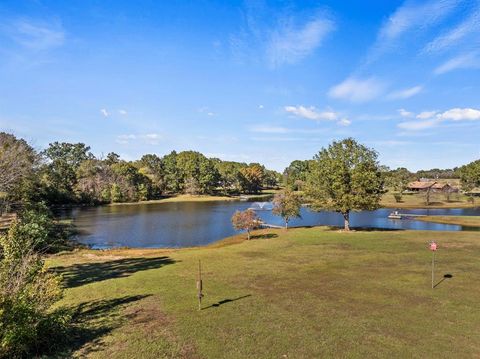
433 248
199 286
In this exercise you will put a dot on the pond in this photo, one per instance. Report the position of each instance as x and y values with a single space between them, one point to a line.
187 224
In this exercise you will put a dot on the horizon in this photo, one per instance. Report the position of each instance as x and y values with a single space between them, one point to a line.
245 81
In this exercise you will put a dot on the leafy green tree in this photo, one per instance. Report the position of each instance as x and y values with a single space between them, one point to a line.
398 180
18 162
470 176
28 290
287 205
245 221
251 178
345 177
172 177
229 175
64 159
295 175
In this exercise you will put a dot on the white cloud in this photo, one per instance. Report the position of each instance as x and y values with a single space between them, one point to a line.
36 35
260 107
426 114
344 122
289 44
104 112
464 61
311 113
405 93
356 90
417 125
429 119
122 112
405 113
470 25
460 114
124 139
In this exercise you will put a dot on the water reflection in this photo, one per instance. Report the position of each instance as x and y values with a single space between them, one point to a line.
196 223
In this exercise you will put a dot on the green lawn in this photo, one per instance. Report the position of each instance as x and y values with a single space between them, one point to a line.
305 293
472 221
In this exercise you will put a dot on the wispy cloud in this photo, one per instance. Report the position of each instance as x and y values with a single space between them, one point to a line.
36 35
149 138
464 61
426 114
357 90
104 112
289 44
417 125
279 39
469 26
411 17
271 129
123 112
405 93
405 113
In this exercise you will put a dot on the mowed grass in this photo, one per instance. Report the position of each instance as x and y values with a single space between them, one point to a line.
437 200
305 293
472 221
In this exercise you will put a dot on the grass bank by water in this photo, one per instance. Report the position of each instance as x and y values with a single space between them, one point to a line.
417 201
305 293
467 221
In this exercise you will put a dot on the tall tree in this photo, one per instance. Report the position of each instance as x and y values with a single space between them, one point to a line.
470 176
17 162
345 177
251 178
287 205
64 159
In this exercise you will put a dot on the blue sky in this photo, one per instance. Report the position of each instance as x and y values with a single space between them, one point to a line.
246 81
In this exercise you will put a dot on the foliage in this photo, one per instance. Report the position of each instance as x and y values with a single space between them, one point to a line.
295 175
286 204
28 290
345 177
245 221
251 178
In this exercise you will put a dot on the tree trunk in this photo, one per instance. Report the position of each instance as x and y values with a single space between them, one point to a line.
346 217
248 234
286 224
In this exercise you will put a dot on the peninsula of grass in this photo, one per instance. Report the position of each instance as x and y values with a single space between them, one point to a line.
302 293
416 201
467 221
263 195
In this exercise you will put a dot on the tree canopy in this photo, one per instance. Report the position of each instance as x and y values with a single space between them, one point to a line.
345 177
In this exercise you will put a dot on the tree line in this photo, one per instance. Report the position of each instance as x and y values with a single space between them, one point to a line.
68 173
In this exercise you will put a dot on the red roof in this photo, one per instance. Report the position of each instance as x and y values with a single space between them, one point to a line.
421 185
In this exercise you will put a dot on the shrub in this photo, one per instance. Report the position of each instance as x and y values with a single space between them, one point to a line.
27 291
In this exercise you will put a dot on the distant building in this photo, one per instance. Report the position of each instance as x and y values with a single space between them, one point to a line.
419 186
424 185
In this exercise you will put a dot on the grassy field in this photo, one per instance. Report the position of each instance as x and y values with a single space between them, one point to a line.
305 293
437 200
472 221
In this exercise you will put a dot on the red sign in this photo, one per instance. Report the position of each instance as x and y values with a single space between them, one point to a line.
433 246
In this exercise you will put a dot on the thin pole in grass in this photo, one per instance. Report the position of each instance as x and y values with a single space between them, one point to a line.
199 285
433 248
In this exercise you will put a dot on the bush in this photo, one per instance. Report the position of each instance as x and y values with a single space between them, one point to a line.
27 291
398 197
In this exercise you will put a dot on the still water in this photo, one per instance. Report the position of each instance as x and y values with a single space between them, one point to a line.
189 224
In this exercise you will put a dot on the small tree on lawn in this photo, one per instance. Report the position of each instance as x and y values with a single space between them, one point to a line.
245 220
345 177
286 204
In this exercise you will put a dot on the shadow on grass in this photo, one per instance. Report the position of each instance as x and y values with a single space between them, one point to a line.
90 322
85 273
445 276
264 236
224 301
